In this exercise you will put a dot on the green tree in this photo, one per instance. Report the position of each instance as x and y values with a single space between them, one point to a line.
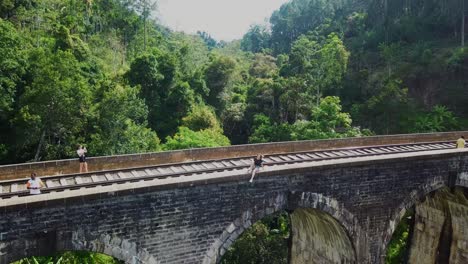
6 7
334 63
266 241
440 119
71 257
128 138
144 71
298 17
218 73
187 139
177 105
155 74
256 39
198 84
265 131
201 117
263 66
12 66
295 99
144 8
328 121
209 41
64 40
120 123
321 67
53 110
192 55
398 247
234 115
385 110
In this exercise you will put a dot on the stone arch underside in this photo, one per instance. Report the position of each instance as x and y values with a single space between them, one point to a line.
414 197
334 232
333 210
432 216
46 243
234 229
317 237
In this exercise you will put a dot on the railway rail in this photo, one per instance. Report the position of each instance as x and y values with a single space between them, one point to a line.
58 183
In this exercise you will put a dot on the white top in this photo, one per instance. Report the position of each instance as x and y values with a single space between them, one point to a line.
35 186
81 152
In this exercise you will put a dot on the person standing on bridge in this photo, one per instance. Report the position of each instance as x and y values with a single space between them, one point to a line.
82 158
461 142
257 163
34 184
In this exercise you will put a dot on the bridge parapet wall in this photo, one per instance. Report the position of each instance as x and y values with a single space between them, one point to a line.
69 166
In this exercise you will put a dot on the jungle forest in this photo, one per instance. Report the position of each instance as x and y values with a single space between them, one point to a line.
107 74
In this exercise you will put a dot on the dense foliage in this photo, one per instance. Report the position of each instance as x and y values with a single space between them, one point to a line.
71 257
105 74
407 62
265 242
398 248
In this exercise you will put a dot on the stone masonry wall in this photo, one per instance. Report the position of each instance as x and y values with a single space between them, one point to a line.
440 229
459 247
196 223
429 223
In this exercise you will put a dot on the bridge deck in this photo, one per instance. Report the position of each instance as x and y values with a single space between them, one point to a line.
17 188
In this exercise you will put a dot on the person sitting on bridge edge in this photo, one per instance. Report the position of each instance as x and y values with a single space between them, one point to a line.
256 165
34 184
82 158
461 142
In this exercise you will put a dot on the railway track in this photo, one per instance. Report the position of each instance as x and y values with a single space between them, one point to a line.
16 188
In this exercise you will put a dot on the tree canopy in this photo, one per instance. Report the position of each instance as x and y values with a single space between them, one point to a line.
106 74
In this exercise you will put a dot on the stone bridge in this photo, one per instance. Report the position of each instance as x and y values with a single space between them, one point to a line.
342 211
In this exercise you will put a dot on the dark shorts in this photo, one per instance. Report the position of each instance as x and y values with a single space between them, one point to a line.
82 159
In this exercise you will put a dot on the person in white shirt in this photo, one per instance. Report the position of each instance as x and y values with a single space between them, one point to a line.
34 184
82 158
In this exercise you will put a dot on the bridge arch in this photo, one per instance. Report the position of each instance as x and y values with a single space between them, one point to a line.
417 195
338 211
328 205
414 197
308 200
55 241
235 228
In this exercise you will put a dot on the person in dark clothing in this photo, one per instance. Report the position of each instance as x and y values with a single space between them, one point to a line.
257 163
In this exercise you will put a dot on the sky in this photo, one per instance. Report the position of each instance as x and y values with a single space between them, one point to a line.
222 19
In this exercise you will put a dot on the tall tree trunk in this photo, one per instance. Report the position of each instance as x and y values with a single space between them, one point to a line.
39 147
386 22
144 33
462 31
318 96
